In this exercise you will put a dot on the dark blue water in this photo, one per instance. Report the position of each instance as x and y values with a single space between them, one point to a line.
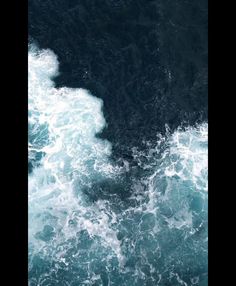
118 142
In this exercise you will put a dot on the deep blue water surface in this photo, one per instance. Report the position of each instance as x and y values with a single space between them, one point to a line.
118 142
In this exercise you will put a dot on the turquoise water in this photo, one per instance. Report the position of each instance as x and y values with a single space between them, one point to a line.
96 221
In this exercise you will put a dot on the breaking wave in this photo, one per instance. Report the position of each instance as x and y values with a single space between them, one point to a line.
92 222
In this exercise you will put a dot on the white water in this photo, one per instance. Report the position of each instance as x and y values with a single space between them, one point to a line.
63 123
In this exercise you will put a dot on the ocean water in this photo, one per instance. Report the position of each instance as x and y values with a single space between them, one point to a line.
146 59
118 142
96 219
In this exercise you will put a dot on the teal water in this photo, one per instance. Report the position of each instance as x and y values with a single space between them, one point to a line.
97 221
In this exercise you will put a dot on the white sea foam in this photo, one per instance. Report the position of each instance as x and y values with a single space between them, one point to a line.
189 155
67 158
176 173
63 123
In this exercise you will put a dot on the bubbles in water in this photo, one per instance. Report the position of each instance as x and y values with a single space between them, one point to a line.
155 236
63 124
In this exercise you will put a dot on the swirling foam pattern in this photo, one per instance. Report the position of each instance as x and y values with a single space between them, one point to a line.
92 222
